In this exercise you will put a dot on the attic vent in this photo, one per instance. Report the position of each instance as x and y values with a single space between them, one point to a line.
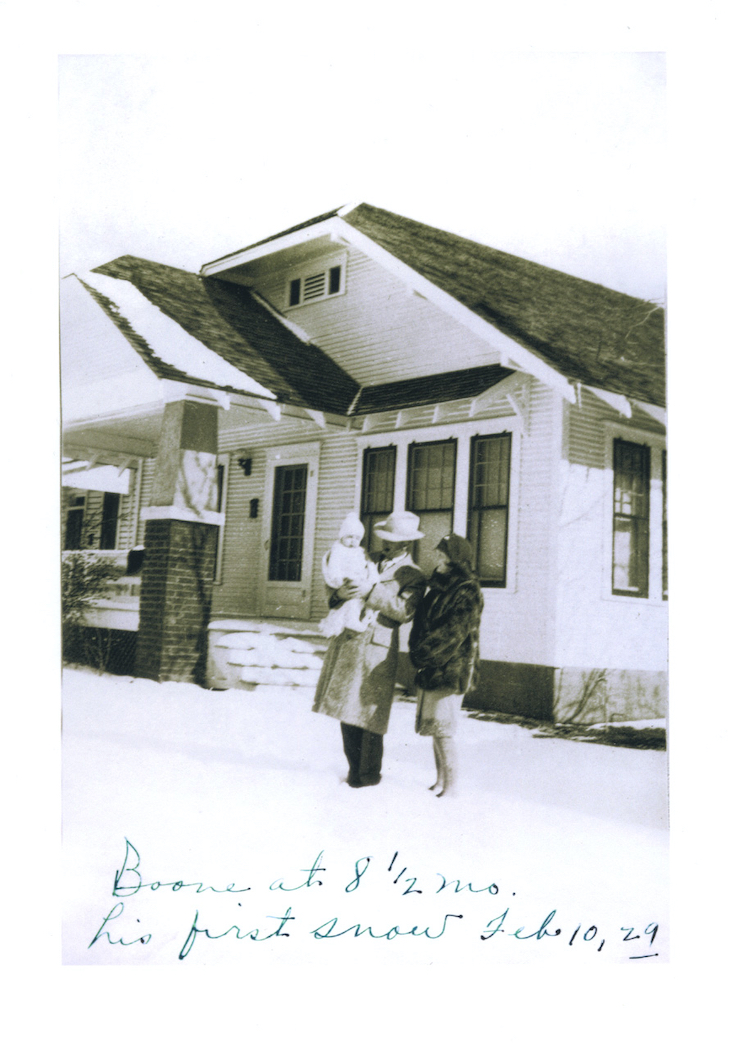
311 286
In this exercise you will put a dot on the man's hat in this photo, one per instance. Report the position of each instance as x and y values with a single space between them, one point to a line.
399 527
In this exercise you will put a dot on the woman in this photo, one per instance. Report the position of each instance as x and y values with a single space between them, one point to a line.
358 675
444 645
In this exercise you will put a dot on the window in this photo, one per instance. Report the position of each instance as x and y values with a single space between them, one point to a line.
74 521
312 286
489 488
456 478
631 479
287 524
378 480
430 494
109 521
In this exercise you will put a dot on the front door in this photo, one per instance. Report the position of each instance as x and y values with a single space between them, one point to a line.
289 522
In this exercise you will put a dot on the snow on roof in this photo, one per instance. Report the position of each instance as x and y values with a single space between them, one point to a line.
169 341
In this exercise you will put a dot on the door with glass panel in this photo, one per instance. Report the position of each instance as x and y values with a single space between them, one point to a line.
288 523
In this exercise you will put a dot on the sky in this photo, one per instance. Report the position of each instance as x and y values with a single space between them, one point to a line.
558 157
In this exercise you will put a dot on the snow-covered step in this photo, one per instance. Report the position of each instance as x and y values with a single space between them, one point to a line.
248 654
280 658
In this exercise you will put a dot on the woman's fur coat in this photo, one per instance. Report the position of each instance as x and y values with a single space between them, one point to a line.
444 639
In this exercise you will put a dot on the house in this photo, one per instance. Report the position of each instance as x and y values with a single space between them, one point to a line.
361 360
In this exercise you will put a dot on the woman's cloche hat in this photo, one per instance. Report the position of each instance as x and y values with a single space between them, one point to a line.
399 527
457 549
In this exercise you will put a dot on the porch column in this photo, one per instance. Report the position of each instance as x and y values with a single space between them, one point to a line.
180 544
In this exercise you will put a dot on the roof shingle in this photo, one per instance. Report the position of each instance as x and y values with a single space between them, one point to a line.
227 319
437 388
588 332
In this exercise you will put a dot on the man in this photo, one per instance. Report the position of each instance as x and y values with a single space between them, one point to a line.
358 675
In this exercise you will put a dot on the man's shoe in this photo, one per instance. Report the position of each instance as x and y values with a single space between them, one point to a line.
365 782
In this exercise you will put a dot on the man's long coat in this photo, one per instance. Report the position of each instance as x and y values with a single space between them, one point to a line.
358 675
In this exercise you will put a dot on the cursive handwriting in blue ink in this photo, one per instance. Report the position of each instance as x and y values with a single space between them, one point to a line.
489 932
326 931
310 880
412 887
493 888
352 886
496 925
251 934
130 870
542 931
116 912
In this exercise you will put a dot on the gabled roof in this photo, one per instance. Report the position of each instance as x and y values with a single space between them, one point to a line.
581 330
228 320
587 332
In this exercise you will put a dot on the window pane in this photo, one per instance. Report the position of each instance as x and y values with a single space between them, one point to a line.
434 526
287 524
631 463
630 556
378 480
74 528
491 544
631 479
489 506
378 475
295 290
431 476
372 543
335 279
109 520
490 485
430 494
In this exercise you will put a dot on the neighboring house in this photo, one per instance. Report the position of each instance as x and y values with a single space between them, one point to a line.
363 360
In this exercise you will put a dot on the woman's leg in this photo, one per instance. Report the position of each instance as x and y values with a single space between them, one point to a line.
447 753
439 770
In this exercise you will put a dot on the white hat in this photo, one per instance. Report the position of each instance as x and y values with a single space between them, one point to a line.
399 527
352 527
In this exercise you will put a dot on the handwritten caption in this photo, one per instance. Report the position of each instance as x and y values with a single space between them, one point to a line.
486 911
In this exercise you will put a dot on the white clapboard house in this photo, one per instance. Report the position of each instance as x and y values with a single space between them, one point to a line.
228 420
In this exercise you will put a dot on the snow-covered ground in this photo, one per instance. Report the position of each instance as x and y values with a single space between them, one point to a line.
245 793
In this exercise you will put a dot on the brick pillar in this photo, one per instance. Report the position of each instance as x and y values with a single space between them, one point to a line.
180 541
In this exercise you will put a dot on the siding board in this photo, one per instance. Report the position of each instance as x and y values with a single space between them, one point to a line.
378 331
515 624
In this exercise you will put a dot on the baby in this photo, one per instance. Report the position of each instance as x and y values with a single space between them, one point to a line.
347 561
